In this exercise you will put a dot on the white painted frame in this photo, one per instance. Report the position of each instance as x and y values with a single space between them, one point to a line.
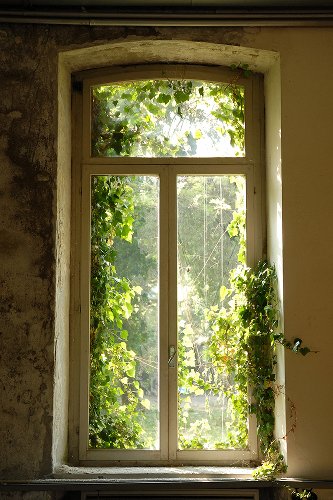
84 166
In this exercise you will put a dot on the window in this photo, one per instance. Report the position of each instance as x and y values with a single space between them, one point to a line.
168 165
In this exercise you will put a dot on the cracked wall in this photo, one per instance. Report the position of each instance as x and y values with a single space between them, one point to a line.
28 168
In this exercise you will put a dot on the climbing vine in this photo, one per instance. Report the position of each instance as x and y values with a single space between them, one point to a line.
115 394
309 494
246 333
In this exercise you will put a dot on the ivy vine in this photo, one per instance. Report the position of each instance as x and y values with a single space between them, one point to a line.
115 394
309 494
246 333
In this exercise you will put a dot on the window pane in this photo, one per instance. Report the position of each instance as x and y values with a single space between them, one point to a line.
123 410
211 242
157 118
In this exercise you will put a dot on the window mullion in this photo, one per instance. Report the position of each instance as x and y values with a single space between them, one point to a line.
172 260
164 311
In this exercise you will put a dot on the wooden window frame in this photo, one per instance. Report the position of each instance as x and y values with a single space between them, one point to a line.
83 167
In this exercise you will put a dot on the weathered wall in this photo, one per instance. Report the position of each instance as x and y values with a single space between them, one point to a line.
28 183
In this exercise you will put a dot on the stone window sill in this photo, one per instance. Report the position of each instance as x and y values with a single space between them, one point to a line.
154 473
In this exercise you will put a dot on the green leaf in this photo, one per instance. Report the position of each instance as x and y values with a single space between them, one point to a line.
130 371
124 334
145 403
224 292
164 98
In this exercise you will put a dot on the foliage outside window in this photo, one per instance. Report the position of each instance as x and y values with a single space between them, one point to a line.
158 118
124 337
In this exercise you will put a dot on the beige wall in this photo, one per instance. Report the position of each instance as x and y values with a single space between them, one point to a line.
306 108
34 274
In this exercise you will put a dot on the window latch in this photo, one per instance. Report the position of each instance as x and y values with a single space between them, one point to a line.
172 355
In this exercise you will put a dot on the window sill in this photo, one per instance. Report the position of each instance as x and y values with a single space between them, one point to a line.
152 474
206 476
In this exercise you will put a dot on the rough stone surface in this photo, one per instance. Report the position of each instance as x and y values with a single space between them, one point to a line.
27 170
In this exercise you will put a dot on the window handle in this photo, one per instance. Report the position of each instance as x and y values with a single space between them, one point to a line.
172 354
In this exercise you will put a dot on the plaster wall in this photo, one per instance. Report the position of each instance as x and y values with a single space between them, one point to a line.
34 215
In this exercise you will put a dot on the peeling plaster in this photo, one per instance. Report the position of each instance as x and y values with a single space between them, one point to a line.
28 166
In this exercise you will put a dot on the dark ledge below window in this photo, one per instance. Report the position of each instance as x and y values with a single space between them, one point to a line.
155 479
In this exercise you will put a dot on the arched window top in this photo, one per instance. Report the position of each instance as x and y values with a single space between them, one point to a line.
167 111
